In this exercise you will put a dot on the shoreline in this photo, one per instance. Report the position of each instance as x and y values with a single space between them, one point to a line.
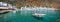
34 9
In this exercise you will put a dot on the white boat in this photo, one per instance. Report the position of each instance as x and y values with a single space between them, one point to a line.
38 15
5 7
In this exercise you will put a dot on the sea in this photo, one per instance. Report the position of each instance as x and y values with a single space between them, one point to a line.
26 16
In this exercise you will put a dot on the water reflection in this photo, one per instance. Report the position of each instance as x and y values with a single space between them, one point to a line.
38 18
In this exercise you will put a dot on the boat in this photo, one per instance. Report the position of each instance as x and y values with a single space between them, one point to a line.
38 15
5 7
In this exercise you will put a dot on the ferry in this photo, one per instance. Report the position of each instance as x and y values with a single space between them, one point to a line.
4 7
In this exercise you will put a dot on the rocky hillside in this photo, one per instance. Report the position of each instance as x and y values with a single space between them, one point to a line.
32 3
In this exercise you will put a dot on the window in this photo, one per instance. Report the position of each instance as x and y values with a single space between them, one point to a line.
3 4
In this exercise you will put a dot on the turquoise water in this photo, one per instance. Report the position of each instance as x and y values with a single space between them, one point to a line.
26 16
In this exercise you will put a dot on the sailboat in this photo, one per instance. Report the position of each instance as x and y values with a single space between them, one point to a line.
38 14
